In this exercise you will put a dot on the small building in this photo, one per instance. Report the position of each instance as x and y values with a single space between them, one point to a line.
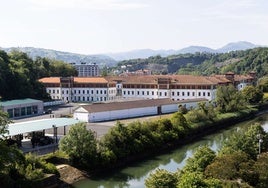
130 109
22 107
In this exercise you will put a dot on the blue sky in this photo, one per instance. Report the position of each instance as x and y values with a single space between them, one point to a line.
101 26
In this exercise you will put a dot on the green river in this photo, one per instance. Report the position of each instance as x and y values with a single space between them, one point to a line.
134 176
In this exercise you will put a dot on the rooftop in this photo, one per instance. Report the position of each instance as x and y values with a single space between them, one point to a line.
132 104
38 125
18 102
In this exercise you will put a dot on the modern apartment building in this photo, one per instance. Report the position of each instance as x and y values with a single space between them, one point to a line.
87 69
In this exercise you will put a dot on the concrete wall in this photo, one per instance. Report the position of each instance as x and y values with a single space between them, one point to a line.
118 114
169 108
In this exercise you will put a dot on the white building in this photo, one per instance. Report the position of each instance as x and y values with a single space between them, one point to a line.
175 87
80 89
129 109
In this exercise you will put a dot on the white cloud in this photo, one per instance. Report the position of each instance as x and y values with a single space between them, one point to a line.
87 4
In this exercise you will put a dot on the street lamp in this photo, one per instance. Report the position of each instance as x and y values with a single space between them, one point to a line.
259 137
54 137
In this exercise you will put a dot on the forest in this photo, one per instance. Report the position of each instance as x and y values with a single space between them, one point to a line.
239 62
19 75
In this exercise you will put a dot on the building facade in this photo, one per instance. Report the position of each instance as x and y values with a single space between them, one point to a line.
87 69
22 107
175 87
80 89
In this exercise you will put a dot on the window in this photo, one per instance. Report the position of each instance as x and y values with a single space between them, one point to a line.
91 91
83 91
152 93
87 91
199 94
172 93
160 93
78 91
204 94
67 92
132 92
100 91
188 93
97 92
165 93
208 94
148 93
142 92
128 92
182 93
193 93
124 92
178 93
23 111
138 92
62 91
105 92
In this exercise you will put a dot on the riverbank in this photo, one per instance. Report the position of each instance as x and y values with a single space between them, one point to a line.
203 130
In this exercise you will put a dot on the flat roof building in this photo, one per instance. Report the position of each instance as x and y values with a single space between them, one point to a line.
22 107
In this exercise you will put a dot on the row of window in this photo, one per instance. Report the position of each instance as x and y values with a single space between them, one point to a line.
204 94
53 91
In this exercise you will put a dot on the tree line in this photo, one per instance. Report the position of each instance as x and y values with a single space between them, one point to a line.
19 75
239 62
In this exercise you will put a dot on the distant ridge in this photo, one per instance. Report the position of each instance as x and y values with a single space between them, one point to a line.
145 53
101 60
110 59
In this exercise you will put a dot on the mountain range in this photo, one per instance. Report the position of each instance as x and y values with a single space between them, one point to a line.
145 53
110 59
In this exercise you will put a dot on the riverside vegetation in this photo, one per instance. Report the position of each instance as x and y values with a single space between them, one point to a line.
127 143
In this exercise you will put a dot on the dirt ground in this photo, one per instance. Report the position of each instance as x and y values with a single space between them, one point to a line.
69 174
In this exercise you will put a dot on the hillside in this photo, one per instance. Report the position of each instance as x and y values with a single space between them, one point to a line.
240 62
145 53
101 60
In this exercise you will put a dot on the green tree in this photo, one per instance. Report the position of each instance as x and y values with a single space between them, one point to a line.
261 167
200 160
247 141
161 179
81 146
252 94
228 99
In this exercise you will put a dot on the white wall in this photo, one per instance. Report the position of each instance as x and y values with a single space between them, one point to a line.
120 114
169 108
81 116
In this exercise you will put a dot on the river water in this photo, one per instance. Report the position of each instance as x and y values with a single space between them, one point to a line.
134 176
